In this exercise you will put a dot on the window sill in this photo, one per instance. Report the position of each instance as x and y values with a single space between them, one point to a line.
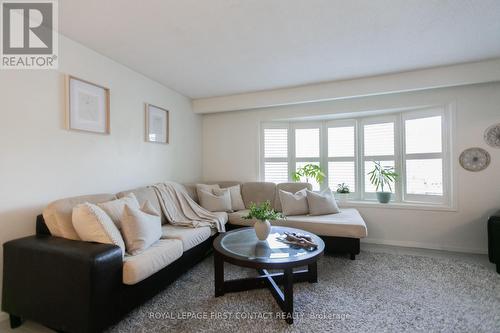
398 205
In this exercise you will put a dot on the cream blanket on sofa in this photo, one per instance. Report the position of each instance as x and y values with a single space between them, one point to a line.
180 209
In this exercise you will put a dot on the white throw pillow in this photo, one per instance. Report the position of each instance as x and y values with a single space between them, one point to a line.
236 198
115 208
141 228
294 203
218 201
92 224
322 203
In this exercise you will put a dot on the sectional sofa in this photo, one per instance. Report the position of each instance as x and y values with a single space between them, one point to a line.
75 286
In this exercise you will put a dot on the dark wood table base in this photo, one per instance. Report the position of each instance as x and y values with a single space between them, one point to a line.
266 280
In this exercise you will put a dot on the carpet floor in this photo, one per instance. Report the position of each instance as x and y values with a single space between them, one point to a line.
378 292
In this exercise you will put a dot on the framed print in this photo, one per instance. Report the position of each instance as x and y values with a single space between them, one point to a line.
87 106
157 124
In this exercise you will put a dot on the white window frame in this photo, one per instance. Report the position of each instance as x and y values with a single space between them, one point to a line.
305 125
355 195
263 159
419 114
401 198
363 158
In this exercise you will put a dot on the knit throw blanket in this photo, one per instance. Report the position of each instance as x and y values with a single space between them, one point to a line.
180 209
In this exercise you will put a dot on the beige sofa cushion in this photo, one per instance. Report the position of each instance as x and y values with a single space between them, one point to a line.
288 187
115 208
322 203
347 223
294 203
258 192
142 195
57 215
93 225
205 187
236 198
159 255
218 200
191 188
140 228
190 237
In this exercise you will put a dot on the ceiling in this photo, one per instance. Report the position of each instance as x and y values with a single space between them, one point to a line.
204 48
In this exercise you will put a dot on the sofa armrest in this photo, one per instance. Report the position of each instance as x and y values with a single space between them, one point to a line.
494 238
67 285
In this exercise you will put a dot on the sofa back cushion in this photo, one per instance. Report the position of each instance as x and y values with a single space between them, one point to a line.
288 187
58 214
144 194
258 192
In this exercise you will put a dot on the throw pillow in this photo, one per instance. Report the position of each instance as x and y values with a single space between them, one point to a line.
294 203
322 203
217 201
115 208
236 198
205 187
92 224
141 228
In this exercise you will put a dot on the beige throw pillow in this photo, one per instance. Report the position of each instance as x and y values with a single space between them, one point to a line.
322 203
92 224
294 203
217 201
141 228
115 208
205 187
236 198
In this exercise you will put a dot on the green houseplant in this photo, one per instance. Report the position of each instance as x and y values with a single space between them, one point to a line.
263 213
380 177
309 171
343 192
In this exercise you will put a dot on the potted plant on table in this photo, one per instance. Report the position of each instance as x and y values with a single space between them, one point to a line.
343 192
382 176
263 213
309 171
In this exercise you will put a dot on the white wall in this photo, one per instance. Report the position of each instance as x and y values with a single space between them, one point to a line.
231 152
40 161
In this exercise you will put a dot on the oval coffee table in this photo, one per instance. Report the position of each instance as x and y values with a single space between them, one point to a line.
242 248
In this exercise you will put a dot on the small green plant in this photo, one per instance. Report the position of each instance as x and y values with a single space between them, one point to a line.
343 188
382 175
309 171
263 212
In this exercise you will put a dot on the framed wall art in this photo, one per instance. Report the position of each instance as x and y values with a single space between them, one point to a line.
87 106
157 124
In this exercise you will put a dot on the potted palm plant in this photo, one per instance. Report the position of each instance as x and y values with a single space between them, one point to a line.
309 171
382 177
263 213
343 192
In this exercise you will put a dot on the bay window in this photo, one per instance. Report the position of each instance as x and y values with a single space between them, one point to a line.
414 143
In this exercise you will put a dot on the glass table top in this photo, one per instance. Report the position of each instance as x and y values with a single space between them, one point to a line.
245 243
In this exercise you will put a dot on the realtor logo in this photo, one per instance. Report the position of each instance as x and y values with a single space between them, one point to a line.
29 37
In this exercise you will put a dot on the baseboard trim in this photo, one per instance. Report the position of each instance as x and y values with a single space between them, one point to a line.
3 316
422 245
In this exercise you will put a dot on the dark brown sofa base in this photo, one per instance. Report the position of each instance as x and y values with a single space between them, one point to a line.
343 245
76 286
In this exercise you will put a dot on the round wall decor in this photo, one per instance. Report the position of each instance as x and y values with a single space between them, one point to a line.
492 136
475 159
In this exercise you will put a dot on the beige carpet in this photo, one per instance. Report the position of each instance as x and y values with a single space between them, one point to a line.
377 292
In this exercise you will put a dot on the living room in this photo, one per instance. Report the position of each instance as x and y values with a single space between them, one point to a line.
236 166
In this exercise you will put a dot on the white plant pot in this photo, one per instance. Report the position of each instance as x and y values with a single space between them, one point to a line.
262 229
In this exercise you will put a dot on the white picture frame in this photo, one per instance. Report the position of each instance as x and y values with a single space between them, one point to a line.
157 124
87 106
